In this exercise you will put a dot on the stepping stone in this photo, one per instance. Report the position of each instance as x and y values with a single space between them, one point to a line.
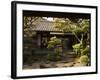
45 66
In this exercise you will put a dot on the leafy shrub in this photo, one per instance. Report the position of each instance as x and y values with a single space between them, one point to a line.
54 57
85 25
84 59
85 51
58 50
78 30
77 47
54 44
50 45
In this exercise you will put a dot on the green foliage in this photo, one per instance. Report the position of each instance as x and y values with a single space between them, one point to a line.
55 40
85 51
54 57
29 23
50 45
55 44
84 59
59 22
77 47
84 22
62 24
85 28
78 30
58 50
34 33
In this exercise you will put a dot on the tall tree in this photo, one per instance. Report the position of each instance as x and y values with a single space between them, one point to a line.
75 26
80 29
29 23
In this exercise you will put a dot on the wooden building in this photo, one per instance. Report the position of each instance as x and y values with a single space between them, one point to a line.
45 30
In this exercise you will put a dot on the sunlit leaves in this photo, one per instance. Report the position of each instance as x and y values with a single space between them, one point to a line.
66 25
85 51
29 23
61 24
77 30
53 42
84 59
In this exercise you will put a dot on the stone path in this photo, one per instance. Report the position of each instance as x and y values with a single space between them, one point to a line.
53 65
67 61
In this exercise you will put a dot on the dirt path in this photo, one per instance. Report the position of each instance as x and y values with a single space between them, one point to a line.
67 61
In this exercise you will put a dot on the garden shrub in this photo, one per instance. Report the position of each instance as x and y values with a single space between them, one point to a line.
78 30
58 50
77 48
54 41
85 51
55 44
54 57
84 59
